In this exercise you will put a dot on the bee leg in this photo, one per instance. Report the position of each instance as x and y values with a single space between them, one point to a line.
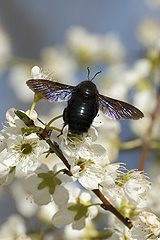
61 133
65 121
65 117
41 121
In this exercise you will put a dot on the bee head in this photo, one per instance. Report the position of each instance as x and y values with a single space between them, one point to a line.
87 88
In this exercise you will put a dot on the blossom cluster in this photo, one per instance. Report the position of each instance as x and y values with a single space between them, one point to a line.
22 156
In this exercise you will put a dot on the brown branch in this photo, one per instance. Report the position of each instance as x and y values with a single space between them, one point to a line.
55 147
107 206
147 140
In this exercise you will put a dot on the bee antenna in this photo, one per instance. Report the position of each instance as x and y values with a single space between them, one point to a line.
88 70
93 76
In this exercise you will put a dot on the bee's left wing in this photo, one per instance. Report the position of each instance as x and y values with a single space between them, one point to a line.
51 91
119 110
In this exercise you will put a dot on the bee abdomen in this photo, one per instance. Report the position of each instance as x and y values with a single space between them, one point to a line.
79 124
80 117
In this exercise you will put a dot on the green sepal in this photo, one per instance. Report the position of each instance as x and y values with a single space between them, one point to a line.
12 169
37 97
28 130
49 180
81 210
28 122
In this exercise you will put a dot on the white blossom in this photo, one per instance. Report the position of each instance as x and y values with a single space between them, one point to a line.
64 217
146 226
23 152
111 174
60 64
154 195
89 47
6 173
75 212
13 124
112 50
88 173
126 189
88 160
24 205
149 38
45 186
109 137
5 46
138 72
18 76
112 80
17 149
13 228
136 187
120 231
36 73
97 122
115 194
142 100
73 145
46 212
74 234
84 45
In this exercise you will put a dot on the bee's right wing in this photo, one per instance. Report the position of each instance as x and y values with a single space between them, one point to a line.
51 91
116 109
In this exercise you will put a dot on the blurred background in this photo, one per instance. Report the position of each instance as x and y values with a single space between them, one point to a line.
121 38
29 27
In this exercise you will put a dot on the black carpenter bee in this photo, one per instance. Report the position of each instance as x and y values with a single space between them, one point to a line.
84 101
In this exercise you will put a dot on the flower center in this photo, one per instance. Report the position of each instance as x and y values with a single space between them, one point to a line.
26 148
84 164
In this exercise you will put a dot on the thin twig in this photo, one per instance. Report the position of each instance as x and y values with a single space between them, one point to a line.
54 147
147 140
107 206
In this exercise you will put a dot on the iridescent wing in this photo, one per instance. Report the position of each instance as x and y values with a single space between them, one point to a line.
51 91
119 110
